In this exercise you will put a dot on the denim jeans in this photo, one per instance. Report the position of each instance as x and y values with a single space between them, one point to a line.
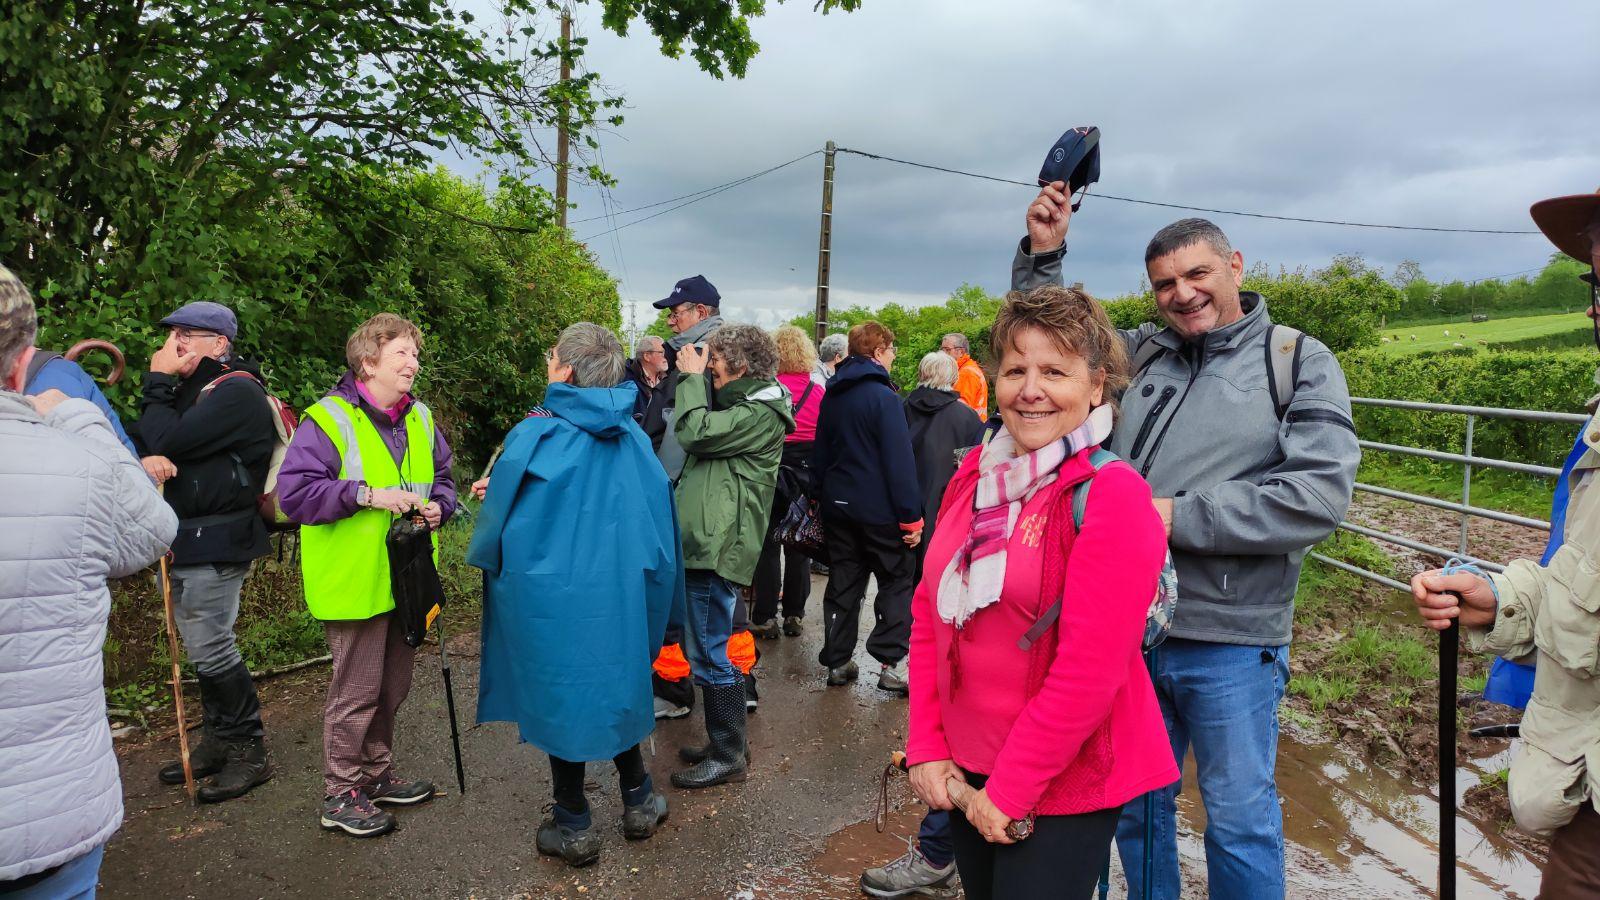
1223 700
710 623
75 880
933 838
205 604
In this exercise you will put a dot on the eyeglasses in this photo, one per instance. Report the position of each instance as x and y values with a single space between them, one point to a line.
187 335
682 309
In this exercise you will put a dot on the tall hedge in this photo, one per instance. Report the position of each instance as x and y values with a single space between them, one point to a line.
486 275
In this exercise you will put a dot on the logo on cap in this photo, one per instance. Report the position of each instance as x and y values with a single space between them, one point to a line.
1060 154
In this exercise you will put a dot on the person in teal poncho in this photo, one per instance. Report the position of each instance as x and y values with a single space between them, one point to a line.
578 541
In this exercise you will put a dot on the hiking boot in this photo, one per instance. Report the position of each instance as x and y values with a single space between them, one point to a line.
767 631
819 569
392 789
352 813
844 674
752 697
571 836
893 679
246 767
911 874
725 760
791 626
643 811
205 759
666 709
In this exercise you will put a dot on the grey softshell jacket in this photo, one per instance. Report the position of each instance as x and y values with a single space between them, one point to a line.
1251 494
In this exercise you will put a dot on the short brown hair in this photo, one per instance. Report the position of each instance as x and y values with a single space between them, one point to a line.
367 341
869 337
1074 322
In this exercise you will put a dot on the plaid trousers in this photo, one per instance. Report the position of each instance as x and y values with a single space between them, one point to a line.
372 668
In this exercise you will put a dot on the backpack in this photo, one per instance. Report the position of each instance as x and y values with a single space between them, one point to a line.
1158 620
284 420
41 358
1282 347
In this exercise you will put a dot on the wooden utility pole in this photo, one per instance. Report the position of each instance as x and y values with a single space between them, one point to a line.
561 126
825 243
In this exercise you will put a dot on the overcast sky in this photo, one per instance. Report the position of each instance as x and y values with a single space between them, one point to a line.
1426 113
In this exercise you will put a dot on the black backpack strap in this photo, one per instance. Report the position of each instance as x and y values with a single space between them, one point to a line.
1283 347
41 358
1144 354
795 407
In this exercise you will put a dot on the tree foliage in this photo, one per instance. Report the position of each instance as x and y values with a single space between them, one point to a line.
1555 288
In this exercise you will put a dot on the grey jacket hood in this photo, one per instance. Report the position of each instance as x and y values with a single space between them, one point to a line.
1251 494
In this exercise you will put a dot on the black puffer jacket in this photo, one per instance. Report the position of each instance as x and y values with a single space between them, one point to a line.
221 447
940 424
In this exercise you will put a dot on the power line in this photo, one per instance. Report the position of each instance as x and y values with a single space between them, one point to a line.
697 195
1224 212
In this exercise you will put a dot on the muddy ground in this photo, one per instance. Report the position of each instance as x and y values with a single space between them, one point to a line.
802 826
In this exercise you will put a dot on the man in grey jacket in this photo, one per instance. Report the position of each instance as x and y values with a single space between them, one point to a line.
1249 472
78 510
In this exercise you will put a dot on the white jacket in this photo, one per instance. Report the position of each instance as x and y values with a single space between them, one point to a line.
75 509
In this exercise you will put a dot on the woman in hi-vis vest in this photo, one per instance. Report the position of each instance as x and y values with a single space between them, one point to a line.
365 453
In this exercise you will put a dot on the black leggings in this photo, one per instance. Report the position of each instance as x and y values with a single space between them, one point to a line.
567 777
1062 858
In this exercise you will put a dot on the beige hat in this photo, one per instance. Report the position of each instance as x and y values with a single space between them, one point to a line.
1565 221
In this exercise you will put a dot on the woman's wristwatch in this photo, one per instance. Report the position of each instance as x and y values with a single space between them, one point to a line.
363 495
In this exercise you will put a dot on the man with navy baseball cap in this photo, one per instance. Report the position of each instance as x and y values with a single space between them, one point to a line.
204 415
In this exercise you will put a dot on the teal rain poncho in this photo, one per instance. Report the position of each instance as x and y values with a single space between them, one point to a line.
578 541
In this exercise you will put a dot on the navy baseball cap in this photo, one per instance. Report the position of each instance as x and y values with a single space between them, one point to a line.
1075 159
694 289
207 316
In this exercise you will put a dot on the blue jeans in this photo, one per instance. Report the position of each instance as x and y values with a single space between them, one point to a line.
710 623
74 880
933 838
1223 699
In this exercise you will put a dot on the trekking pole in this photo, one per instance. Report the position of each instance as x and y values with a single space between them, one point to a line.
1448 646
450 704
177 680
1150 805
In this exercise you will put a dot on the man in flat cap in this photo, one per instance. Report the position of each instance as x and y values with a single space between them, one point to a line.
1551 613
205 433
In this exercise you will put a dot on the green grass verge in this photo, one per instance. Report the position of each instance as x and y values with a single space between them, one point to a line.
1418 338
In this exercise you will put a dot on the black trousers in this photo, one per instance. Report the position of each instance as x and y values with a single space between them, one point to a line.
1063 858
566 777
855 553
795 581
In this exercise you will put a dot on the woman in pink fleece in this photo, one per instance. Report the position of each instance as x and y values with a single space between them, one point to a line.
1067 730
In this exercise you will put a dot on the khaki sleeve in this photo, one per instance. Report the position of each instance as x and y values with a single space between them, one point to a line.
1521 591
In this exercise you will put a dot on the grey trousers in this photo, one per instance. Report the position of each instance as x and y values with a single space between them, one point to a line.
205 604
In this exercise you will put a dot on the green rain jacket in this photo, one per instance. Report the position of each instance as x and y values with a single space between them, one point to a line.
733 444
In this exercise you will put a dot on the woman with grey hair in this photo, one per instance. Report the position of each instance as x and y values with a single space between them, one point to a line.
829 352
572 617
940 425
731 420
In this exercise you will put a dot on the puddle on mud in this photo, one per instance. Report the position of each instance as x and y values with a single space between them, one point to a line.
1353 831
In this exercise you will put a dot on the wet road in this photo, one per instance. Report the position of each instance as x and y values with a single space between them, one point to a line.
800 827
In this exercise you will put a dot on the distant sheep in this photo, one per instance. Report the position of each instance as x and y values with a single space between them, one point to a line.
1456 344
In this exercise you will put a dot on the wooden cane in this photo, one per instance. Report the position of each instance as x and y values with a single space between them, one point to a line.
118 362
177 680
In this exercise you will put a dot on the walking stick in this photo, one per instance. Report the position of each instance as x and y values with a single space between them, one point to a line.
450 704
177 680
1448 646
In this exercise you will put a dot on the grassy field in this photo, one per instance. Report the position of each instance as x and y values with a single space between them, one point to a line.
1478 335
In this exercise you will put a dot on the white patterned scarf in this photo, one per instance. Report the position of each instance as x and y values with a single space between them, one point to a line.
1006 482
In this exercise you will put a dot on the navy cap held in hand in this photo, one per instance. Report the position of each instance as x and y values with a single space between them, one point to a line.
694 289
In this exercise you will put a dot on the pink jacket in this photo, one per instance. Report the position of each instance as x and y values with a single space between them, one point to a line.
805 418
1091 736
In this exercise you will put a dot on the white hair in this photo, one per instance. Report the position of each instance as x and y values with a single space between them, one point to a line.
938 371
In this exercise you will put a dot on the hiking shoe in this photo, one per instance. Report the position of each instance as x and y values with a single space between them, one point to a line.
768 630
352 813
893 679
911 874
392 789
843 674
205 759
571 836
791 626
819 569
666 709
643 811
752 697
246 767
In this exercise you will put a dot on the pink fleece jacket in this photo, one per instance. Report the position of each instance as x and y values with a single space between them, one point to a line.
1092 736
805 418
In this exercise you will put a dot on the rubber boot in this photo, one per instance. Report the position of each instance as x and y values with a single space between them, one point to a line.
725 723
238 723
699 752
206 757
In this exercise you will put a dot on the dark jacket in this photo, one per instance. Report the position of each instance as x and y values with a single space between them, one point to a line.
940 423
650 406
221 448
862 458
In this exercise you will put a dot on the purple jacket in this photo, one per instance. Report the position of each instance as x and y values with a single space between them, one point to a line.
309 487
